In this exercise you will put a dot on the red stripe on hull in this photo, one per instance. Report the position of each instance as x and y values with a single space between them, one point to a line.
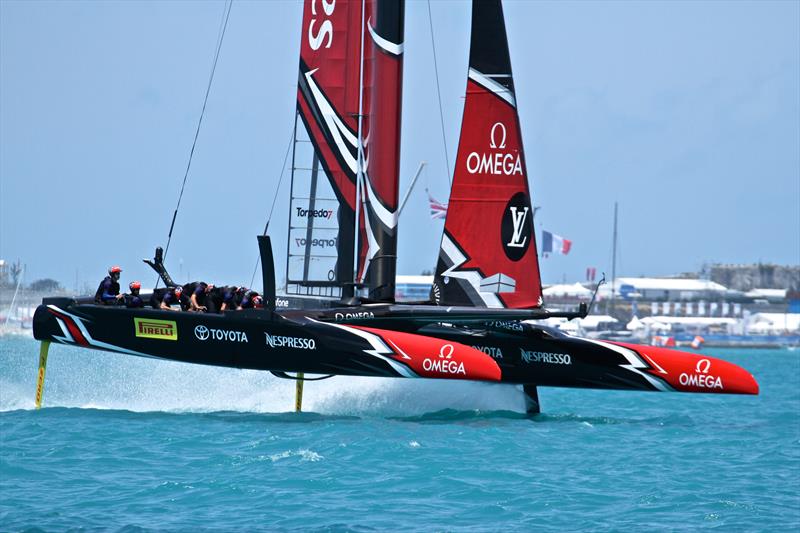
690 372
73 328
436 358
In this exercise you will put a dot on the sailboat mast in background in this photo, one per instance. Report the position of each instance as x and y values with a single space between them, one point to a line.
611 301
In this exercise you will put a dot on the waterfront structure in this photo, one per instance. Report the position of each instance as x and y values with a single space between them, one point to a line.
667 289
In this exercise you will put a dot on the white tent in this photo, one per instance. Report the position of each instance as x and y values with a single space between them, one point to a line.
774 323
594 321
635 324
575 290
773 295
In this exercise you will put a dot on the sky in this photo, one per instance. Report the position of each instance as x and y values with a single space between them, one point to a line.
685 113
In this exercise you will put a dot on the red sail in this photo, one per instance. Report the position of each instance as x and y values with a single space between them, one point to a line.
488 254
325 160
383 77
345 171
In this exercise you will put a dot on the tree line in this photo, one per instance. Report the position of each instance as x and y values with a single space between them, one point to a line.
10 275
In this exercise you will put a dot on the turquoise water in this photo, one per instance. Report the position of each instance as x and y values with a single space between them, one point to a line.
127 443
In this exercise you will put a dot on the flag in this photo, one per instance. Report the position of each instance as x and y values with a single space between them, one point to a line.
591 272
555 244
438 209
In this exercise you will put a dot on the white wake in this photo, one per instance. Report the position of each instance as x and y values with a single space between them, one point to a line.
89 379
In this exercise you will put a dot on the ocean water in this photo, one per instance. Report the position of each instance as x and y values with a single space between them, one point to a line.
139 444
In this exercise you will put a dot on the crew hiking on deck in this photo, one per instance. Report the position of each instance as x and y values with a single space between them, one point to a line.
251 300
133 300
195 296
199 299
166 298
108 291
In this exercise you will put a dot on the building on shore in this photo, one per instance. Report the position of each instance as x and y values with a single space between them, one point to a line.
669 289
758 276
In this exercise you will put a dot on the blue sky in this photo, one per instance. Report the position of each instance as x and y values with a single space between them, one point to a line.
686 113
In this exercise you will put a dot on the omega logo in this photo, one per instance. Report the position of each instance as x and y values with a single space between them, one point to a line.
493 142
701 378
446 348
496 162
445 363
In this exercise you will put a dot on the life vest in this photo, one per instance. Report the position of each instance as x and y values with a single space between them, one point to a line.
133 301
98 296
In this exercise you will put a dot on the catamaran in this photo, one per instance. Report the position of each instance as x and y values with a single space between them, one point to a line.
338 315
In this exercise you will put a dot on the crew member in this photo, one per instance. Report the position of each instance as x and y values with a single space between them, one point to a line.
174 295
232 297
108 290
198 294
215 299
251 300
133 300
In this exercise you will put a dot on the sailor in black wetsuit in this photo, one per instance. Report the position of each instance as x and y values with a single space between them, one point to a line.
215 299
174 295
232 297
132 299
108 290
251 300
198 293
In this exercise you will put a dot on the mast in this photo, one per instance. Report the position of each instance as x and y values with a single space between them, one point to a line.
613 265
350 291
382 97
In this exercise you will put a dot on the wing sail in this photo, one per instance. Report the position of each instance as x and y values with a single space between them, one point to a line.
488 253
345 179
322 210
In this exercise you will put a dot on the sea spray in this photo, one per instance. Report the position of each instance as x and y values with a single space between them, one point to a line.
102 380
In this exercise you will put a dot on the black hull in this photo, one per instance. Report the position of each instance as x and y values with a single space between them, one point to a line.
315 342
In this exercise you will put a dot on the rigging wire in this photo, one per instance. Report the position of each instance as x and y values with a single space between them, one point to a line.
439 94
220 37
274 199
